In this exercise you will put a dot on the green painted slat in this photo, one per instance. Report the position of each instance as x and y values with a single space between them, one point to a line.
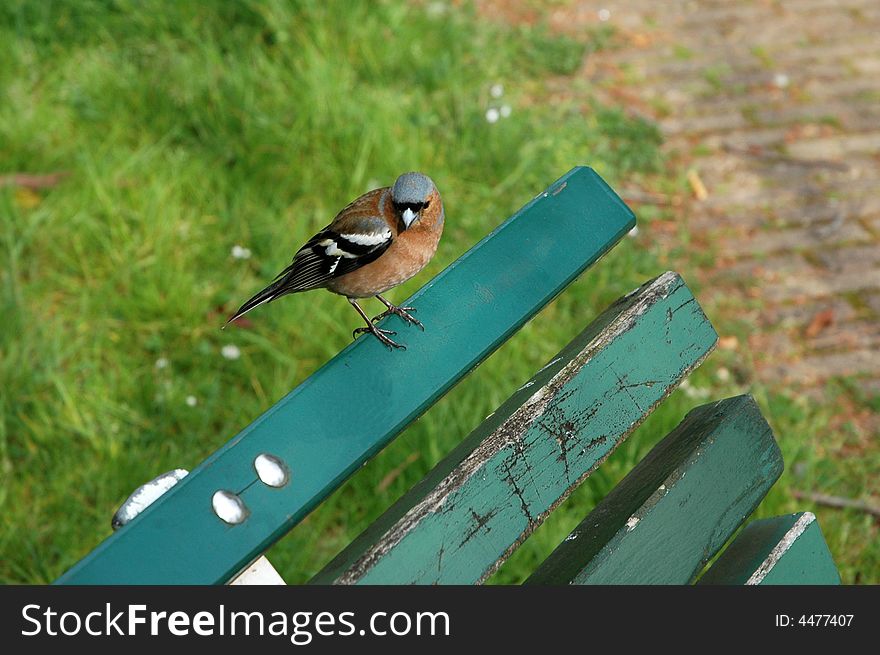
469 310
783 550
498 485
677 507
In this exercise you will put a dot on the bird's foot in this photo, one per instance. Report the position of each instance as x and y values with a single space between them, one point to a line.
402 312
379 333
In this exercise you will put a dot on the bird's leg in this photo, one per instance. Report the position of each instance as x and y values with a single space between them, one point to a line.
403 312
372 329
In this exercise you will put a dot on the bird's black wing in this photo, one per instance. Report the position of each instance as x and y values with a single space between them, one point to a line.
330 254
340 248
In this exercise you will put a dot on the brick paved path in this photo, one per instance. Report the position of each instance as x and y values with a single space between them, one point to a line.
776 105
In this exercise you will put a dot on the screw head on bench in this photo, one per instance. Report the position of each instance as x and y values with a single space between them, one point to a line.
229 507
271 470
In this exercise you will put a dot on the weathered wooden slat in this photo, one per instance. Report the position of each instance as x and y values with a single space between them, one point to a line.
783 550
677 507
460 522
469 310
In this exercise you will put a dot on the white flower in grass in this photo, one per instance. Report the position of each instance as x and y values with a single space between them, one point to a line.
604 15
505 111
161 363
780 80
192 401
230 351
436 9
496 90
492 115
693 392
240 252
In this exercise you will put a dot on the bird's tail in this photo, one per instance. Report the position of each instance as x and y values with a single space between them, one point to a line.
271 292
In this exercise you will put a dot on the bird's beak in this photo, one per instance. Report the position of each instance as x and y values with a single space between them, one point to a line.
408 216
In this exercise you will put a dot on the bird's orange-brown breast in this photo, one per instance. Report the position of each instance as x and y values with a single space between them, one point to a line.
408 254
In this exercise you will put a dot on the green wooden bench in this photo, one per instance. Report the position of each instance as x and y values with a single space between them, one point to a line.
662 524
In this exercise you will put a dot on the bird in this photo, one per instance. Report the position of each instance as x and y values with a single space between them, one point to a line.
378 241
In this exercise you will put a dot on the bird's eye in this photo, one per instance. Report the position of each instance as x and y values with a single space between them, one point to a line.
425 204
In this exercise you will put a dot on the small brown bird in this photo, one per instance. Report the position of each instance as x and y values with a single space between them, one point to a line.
380 240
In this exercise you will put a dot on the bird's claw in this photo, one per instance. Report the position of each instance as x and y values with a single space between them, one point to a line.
402 312
379 333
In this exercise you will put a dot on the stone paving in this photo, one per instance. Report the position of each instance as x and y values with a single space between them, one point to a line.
776 108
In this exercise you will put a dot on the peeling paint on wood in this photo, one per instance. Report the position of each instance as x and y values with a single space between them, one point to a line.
467 515
678 506
782 550
469 310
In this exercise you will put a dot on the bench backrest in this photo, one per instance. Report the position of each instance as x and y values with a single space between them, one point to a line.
498 485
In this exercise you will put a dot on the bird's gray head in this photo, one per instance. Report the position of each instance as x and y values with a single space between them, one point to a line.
411 194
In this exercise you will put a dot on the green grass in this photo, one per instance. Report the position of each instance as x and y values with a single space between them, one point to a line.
682 52
187 129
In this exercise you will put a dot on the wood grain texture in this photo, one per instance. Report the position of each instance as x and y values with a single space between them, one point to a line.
468 310
677 507
459 523
782 550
